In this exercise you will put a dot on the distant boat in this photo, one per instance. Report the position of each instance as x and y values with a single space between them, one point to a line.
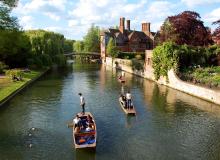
83 138
126 110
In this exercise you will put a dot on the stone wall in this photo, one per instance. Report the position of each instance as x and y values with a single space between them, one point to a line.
173 81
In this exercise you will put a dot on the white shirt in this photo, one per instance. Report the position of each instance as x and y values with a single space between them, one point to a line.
88 129
128 95
122 73
76 120
82 100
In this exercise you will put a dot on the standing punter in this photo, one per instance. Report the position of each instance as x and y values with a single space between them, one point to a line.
82 103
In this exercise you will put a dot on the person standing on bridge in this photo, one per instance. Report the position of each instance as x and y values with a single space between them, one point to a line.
82 103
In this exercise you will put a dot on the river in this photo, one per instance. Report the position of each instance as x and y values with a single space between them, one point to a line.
169 125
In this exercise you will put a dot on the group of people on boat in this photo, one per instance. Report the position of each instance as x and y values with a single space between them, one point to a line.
126 100
83 124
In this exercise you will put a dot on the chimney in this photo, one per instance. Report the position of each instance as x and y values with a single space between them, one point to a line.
146 28
128 25
122 24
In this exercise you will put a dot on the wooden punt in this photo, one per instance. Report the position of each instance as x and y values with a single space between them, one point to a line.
88 139
128 111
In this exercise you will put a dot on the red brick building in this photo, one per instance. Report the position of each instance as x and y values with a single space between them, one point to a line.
128 40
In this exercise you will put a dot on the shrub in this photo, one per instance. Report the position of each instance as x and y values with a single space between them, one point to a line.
131 55
15 74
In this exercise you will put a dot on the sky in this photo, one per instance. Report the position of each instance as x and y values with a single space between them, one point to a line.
72 18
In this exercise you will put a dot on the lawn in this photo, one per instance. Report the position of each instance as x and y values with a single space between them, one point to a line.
7 86
209 76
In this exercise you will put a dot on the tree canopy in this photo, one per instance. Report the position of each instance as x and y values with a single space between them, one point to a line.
68 45
111 48
92 40
185 28
216 32
78 46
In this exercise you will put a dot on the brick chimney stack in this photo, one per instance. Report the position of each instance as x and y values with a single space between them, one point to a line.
122 24
146 28
128 25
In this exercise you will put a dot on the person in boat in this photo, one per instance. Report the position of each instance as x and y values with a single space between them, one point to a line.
128 99
89 128
77 129
122 100
89 119
82 103
77 121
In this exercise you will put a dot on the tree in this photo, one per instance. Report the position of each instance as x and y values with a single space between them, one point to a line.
68 45
78 46
112 49
216 32
186 28
10 3
92 40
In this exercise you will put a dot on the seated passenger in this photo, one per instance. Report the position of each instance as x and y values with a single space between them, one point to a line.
122 100
77 130
77 121
89 120
89 128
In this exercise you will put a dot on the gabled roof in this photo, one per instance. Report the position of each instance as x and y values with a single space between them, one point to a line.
127 34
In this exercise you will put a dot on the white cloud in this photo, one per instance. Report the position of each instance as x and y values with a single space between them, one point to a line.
26 22
73 23
52 16
45 5
70 33
213 16
192 3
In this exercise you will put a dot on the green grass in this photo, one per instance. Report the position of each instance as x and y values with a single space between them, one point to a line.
209 76
7 86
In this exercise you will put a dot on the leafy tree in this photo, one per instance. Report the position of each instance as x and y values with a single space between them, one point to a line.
92 40
10 3
216 32
186 28
112 49
78 46
15 48
68 45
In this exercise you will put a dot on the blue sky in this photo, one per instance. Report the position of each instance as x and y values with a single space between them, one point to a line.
73 17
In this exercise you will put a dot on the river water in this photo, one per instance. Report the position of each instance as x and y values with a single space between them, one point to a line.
169 124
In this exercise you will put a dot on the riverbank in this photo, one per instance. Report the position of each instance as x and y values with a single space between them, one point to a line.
8 88
174 82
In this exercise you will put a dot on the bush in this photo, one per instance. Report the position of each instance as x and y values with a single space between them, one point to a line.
15 74
131 55
169 55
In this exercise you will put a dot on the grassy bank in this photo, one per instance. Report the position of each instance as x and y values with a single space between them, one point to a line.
7 86
209 76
